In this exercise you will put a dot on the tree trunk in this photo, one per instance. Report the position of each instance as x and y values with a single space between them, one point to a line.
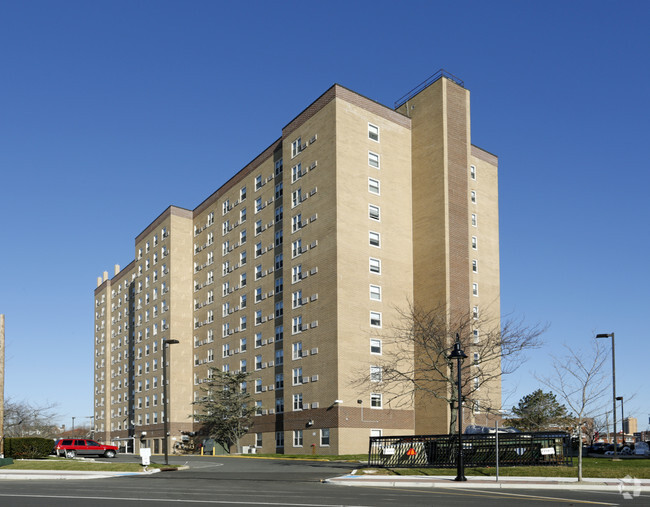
580 450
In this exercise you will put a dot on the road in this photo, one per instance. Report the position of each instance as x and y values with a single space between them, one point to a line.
242 481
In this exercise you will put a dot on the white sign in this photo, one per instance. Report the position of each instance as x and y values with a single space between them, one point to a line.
388 451
547 450
145 455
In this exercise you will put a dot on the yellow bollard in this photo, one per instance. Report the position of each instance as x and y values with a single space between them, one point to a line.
201 450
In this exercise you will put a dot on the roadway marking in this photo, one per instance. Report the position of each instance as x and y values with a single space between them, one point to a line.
172 500
497 494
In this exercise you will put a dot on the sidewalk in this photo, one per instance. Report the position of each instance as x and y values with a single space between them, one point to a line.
27 475
627 484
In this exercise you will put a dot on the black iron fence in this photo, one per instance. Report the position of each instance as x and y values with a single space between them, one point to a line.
440 451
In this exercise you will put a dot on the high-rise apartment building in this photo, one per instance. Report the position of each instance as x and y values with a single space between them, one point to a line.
294 270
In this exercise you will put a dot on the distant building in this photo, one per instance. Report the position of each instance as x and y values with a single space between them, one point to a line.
294 269
630 426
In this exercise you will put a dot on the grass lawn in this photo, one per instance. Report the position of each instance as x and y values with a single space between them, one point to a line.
592 467
73 464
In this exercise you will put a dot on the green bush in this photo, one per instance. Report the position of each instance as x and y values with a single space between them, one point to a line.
28 448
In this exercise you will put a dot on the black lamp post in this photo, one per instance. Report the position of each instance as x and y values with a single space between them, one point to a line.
620 398
459 355
165 402
611 335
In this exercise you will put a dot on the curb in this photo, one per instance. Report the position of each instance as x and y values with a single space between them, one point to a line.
630 485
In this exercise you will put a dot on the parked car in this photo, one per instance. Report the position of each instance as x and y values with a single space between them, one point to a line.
71 447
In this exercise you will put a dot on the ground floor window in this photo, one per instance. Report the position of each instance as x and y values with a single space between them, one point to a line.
279 438
297 438
325 437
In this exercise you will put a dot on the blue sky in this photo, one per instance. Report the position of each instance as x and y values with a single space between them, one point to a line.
100 100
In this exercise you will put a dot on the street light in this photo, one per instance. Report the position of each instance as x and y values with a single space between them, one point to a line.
620 398
611 335
459 355
73 418
165 403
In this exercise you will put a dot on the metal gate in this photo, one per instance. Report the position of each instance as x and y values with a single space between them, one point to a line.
440 451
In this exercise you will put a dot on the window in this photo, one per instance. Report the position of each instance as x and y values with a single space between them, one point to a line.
373 212
373 159
278 167
278 190
242 301
373 132
476 358
375 373
296 173
258 362
279 438
296 325
258 294
296 222
375 346
258 408
242 215
242 345
258 340
258 272
278 214
474 266
375 266
375 400
279 381
374 238
242 236
373 186
258 249
296 197
296 350
258 440
296 299
473 196
475 289
475 336
475 312
375 292
297 438
278 261
279 357
258 182
279 309
474 220
295 148
258 385
472 172
258 316
278 238
296 273
242 193
474 243
242 257
296 248
375 319
297 402
325 437
279 333
258 205
279 405
226 207
297 376
242 323
225 350
279 285
477 383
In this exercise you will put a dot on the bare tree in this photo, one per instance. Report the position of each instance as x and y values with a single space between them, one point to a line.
415 357
23 419
578 379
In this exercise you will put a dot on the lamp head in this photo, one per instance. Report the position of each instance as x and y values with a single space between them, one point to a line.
457 353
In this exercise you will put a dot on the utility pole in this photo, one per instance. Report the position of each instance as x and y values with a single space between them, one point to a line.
2 385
